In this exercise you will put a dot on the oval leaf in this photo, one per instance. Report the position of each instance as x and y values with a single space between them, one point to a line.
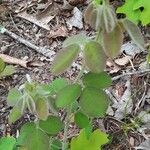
2 65
95 58
13 96
14 115
88 13
97 80
109 19
9 70
68 95
112 42
42 109
52 125
58 84
81 120
7 143
37 140
79 39
64 59
134 33
94 102
33 138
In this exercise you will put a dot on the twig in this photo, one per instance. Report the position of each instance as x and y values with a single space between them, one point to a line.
46 52
131 73
12 60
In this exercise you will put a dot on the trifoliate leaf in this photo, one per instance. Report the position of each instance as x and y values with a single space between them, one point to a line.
42 108
95 58
128 10
112 41
2 65
68 95
145 14
64 59
94 142
81 120
134 33
13 97
52 125
93 102
97 80
7 143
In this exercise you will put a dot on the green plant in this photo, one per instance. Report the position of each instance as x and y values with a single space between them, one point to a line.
136 10
5 70
82 99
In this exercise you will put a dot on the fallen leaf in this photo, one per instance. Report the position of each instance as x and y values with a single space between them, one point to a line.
59 32
144 116
125 104
76 19
144 145
41 22
131 49
123 61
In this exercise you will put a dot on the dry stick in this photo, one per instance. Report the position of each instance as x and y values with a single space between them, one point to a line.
12 60
131 73
46 52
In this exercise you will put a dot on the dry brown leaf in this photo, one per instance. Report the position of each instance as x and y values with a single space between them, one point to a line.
59 32
16 61
123 61
41 22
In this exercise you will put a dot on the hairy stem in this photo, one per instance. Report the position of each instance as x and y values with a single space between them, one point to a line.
64 144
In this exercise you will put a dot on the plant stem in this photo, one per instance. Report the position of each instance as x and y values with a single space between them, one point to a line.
79 74
64 144
98 35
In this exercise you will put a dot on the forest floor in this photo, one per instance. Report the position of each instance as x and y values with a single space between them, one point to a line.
46 24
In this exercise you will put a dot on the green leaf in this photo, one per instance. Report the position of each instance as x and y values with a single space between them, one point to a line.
2 65
15 114
32 138
88 13
97 80
64 59
95 58
94 102
44 89
112 42
109 20
81 120
58 84
68 95
134 33
56 145
13 97
79 39
128 10
7 143
96 140
42 108
37 140
25 132
52 125
9 70
145 14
